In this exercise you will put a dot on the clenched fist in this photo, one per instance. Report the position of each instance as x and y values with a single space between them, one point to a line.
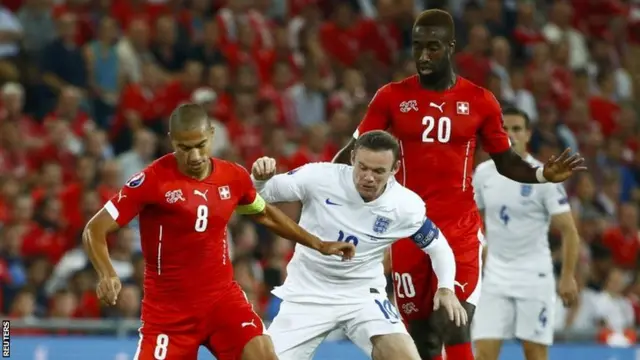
108 290
264 168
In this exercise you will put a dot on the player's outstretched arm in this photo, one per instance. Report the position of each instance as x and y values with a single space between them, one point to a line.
558 169
278 222
94 238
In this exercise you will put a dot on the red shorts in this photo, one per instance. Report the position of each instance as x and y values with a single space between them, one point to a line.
224 328
415 283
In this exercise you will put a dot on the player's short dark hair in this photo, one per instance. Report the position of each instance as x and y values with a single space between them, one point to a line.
379 140
514 111
187 117
436 18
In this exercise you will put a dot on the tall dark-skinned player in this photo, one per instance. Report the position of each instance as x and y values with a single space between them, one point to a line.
439 117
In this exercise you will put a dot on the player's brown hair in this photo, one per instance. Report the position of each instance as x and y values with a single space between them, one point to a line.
379 140
188 117
436 18
514 111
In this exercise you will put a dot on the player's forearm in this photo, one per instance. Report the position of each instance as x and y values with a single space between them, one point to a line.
509 164
443 262
95 244
278 222
344 155
570 252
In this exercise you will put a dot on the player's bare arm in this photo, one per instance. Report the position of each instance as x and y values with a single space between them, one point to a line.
278 222
344 155
556 169
567 287
94 238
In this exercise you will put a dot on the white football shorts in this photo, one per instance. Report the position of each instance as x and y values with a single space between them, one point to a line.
501 317
299 328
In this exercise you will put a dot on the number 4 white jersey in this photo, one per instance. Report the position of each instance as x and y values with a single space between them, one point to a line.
517 219
334 211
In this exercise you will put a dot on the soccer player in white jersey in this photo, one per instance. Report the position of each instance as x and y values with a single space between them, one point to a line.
519 290
364 205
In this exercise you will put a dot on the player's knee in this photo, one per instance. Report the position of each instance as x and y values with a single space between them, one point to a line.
393 346
259 348
533 351
427 337
452 333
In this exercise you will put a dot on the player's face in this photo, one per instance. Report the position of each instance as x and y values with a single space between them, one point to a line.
431 49
371 171
192 149
515 127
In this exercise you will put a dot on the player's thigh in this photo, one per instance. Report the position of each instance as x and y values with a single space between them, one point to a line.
232 326
298 329
412 278
468 283
258 348
394 346
375 316
162 344
495 318
535 318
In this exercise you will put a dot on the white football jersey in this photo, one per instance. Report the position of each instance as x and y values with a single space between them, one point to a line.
334 211
517 219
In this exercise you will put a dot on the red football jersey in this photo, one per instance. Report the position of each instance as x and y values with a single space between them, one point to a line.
437 133
183 225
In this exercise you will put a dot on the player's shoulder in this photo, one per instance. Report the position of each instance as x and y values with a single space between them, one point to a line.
406 199
229 169
153 172
319 170
395 87
474 91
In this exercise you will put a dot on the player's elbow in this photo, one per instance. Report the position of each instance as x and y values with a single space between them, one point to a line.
97 229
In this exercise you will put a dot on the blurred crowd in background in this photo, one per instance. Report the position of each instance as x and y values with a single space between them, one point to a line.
86 87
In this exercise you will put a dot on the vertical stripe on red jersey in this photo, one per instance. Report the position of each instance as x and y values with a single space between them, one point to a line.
160 251
404 171
466 163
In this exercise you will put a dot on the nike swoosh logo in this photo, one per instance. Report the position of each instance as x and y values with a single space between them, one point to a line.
329 202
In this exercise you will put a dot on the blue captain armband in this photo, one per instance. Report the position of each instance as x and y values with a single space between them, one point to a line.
426 234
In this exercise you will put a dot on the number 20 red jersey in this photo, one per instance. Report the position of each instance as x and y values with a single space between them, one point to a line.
438 134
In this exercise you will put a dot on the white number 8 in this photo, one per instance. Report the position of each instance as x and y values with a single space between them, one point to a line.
202 218
162 342
444 129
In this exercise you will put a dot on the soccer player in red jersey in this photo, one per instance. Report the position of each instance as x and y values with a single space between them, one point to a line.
184 201
439 117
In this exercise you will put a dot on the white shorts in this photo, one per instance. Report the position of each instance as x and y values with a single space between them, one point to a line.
299 328
500 317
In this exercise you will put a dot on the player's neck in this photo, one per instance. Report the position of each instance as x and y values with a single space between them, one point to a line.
202 175
442 83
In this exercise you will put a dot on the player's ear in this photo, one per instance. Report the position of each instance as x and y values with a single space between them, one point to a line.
452 47
353 157
396 167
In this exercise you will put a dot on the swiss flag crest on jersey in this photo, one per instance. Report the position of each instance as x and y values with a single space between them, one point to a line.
224 192
462 108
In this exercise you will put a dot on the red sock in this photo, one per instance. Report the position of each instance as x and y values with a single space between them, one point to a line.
439 357
459 352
